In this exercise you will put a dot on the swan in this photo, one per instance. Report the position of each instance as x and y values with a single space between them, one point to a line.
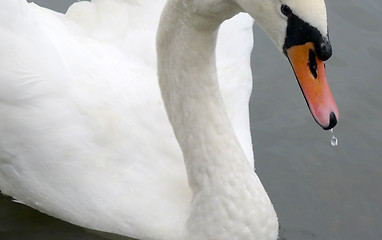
121 116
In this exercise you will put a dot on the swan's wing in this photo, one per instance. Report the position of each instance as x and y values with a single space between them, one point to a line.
84 132
108 22
234 47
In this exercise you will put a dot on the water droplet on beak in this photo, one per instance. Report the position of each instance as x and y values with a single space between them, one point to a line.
334 139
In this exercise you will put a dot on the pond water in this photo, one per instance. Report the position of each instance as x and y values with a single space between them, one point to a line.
319 191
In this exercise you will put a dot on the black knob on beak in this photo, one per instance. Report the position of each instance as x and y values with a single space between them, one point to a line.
323 49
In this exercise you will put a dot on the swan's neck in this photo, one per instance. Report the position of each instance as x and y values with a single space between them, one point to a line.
218 172
190 90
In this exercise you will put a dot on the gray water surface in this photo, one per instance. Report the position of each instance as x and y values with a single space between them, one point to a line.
319 192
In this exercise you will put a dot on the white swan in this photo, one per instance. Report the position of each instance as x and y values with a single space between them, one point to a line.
84 131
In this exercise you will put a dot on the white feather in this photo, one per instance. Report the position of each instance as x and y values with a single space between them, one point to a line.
85 136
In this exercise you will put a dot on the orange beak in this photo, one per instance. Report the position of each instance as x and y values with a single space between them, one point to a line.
310 73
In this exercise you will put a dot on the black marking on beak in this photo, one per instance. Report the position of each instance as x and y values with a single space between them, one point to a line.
313 63
300 32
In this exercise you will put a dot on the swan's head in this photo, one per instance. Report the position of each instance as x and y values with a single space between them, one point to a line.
299 29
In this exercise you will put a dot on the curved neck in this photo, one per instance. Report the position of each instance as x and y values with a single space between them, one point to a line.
221 178
188 80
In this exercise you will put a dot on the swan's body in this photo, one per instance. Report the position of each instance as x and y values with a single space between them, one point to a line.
85 135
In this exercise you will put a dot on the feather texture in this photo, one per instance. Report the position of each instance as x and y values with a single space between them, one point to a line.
85 136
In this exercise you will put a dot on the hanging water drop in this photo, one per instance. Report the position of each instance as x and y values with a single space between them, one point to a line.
334 139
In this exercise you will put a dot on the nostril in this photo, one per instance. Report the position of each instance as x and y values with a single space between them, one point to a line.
333 121
313 63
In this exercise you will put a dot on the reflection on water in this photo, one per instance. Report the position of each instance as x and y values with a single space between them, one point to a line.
319 192
18 222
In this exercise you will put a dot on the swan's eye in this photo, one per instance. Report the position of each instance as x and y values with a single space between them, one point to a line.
286 10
